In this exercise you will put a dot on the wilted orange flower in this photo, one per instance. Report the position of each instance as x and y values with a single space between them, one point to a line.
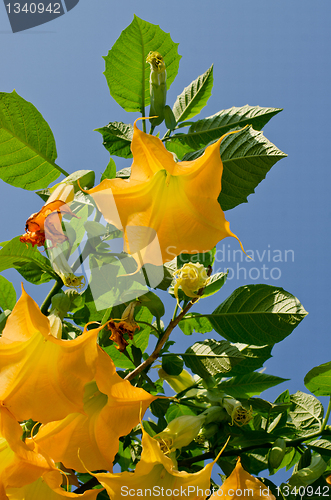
165 208
127 326
42 377
112 407
154 472
46 224
240 485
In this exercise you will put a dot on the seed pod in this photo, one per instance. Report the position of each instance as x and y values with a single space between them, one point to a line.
157 87
169 118
277 453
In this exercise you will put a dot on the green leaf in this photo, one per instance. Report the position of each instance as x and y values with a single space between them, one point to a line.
27 260
211 357
194 97
172 365
253 358
206 258
7 294
178 148
306 413
194 322
322 446
160 407
209 129
318 380
110 171
247 157
127 72
257 314
251 384
177 410
3 319
117 137
153 303
215 283
27 145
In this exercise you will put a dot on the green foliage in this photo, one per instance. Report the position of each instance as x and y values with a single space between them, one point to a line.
7 294
117 137
28 261
127 72
318 380
247 157
194 97
27 146
257 314
211 357
289 433
250 384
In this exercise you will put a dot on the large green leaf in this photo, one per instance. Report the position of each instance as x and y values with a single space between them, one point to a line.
194 322
318 380
247 157
258 315
209 129
27 260
306 413
254 358
117 137
127 72
211 357
27 145
7 294
251 384
194 97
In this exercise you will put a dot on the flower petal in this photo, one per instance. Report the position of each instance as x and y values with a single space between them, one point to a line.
42 377
240 481
176 203
156 471
109 414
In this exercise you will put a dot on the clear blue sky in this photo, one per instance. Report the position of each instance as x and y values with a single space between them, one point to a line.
274 53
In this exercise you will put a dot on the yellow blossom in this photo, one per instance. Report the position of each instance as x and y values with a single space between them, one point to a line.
48 488
20 464
43 377
112 408
191 277
165 208
181 431
239 482
154 472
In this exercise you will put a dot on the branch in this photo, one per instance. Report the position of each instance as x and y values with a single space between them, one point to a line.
173 323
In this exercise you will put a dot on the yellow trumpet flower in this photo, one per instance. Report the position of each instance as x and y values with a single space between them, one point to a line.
165 208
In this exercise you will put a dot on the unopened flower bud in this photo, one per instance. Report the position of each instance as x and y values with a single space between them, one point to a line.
191 277
179 382
180 432
157 87
239 415
308 475
62 268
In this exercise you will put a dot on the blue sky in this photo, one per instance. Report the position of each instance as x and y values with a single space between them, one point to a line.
274 53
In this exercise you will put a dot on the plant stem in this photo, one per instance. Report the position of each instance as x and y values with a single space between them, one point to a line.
54 290
173 323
